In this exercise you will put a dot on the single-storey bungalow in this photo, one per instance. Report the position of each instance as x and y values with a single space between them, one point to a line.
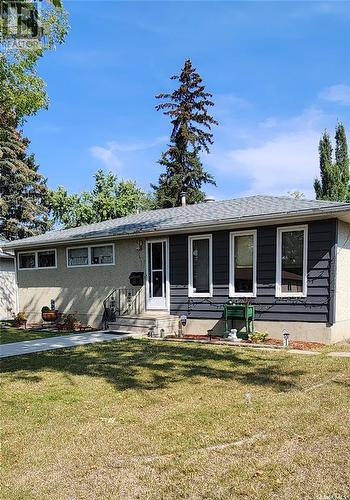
289 258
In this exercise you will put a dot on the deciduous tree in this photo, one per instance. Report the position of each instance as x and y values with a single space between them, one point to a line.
109 199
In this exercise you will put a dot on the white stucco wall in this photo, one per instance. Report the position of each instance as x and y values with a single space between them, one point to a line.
342 305
8 288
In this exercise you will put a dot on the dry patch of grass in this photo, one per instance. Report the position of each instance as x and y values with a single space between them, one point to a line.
147 419
9 335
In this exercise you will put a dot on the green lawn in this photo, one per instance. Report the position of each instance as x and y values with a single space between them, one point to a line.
8 335
146 419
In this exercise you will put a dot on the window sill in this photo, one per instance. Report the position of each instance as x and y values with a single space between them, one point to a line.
242 296
36 268
291 296
194 295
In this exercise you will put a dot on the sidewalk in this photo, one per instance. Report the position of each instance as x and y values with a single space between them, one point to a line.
48 344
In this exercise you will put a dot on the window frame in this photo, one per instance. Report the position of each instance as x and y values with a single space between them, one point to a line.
191 239
89 247
35 252
233 234
280 231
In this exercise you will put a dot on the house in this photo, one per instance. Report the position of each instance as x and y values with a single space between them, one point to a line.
290 258
8 285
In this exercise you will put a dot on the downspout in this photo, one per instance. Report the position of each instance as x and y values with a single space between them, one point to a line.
333 277
16 283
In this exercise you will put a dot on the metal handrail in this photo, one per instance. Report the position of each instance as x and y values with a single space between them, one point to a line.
119 302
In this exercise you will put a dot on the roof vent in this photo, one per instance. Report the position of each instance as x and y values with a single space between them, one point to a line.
209 199
183 198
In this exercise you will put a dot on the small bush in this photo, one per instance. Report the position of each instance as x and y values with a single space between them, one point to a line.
20 318
45 309
70 322
258 337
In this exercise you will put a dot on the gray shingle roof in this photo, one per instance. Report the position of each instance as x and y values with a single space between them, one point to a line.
201 214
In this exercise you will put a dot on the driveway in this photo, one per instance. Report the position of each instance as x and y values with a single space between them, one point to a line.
49 344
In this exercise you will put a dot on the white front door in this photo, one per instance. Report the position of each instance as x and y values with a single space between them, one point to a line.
157 286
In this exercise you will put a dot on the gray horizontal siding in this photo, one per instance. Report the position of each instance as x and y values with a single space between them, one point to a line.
315 307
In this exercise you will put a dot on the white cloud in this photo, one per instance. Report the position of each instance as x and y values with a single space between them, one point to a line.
107 156
113 154
337 93
282 156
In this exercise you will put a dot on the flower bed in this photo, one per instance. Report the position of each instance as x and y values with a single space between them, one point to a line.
293 344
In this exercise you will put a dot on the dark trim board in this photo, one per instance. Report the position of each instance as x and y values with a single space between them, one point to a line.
316 307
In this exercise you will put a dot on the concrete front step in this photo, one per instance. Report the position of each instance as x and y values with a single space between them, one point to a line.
159 326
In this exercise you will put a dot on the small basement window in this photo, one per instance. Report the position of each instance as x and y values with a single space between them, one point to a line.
291 279
38 259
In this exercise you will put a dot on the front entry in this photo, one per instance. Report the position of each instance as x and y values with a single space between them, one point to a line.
157 274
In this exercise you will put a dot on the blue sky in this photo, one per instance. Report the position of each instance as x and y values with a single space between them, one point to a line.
279 73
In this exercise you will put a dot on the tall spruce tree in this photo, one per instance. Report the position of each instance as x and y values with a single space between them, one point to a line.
187 106
23 190
334 182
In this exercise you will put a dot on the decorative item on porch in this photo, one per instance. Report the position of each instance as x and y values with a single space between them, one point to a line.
233 336
49 315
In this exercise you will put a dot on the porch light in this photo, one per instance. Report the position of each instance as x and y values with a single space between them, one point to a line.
285 335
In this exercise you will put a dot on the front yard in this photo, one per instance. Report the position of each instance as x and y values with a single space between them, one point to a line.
148 419
9 335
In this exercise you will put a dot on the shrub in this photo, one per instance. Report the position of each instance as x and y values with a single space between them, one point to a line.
70 322
258 337
45 309
20 318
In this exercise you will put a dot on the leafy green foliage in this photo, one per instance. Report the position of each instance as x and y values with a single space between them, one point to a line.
22 90
187 106
258 337
109 199
23 190
335 176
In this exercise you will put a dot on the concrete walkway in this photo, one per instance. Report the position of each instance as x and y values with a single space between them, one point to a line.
48 344
340 354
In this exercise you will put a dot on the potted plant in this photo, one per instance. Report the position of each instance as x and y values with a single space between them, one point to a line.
48 315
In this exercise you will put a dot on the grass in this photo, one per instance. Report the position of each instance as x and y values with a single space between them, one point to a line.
145 420
8 335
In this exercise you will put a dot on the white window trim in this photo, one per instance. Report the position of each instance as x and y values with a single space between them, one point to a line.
191 293
35 252
280 231
232 292
89 247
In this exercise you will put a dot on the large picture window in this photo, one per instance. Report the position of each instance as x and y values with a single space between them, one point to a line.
37 259
200 266
97 255
243 264
291 280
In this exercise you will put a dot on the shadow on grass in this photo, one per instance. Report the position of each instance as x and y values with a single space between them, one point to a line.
144 365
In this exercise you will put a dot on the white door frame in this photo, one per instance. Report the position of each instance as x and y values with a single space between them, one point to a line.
165 305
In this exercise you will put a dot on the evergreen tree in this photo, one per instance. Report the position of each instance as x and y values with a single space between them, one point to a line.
335 176
187 106
23 190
